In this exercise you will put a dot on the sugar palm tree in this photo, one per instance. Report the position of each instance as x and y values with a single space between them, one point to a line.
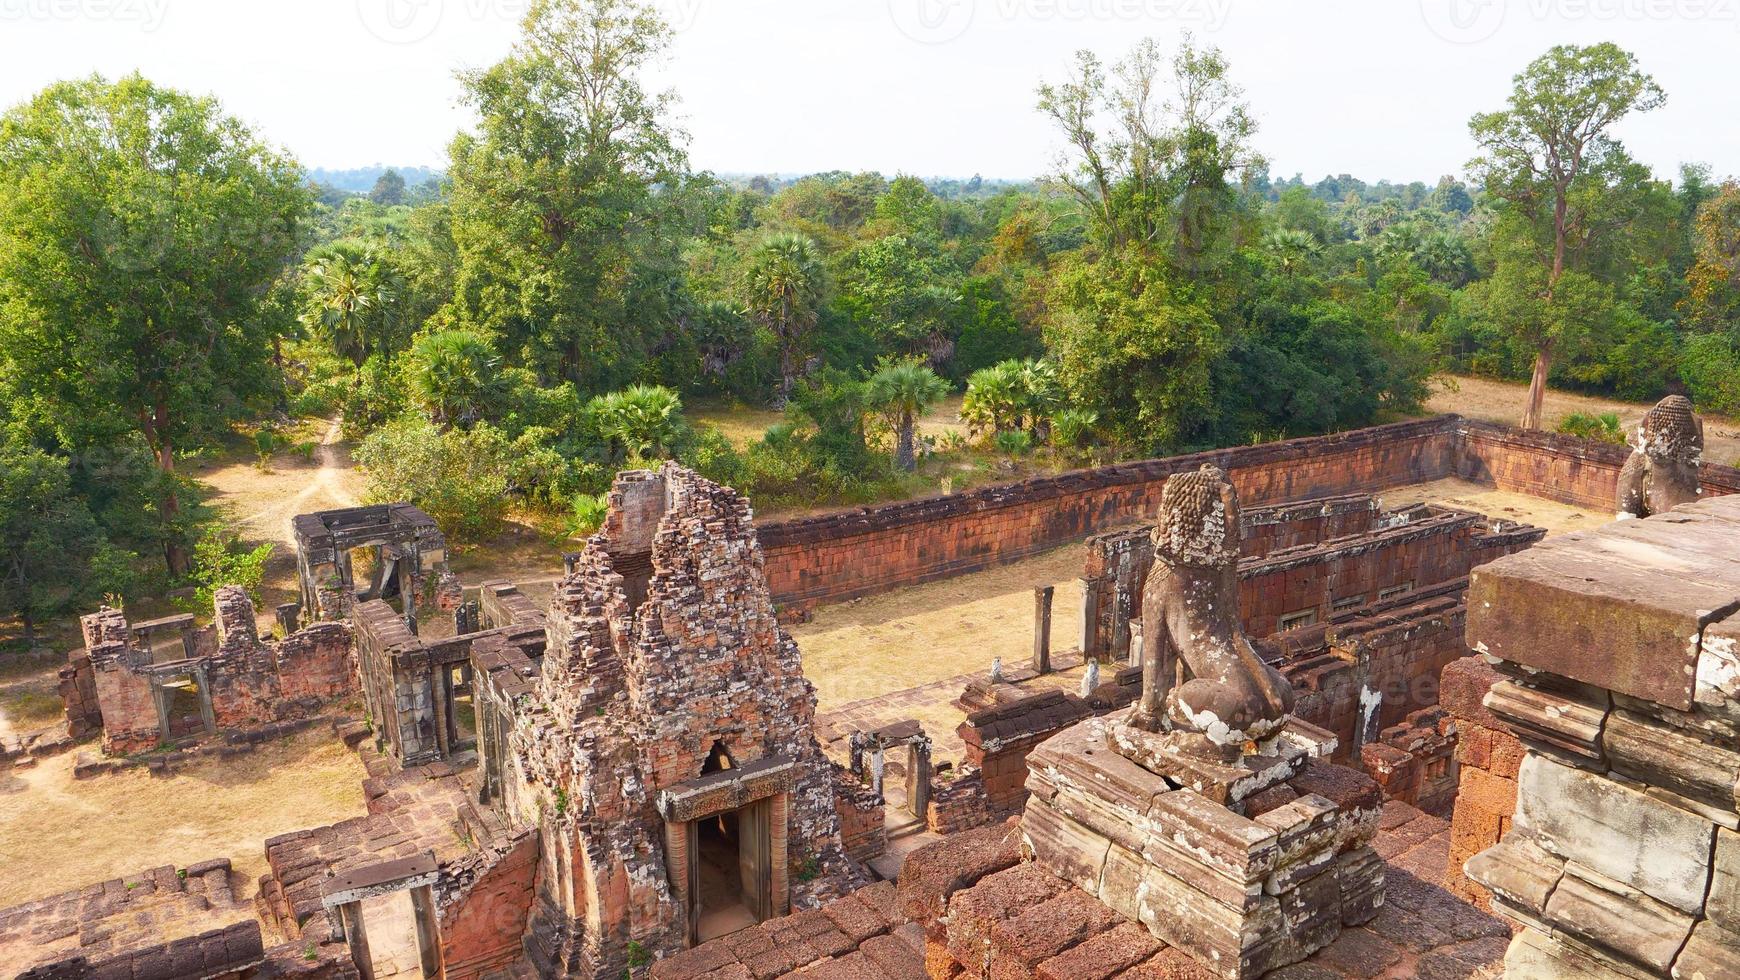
450 373
994 398
338 306
644 420
901 391
783 292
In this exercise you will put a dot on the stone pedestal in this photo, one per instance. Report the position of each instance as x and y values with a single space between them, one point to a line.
1617 650
1246 867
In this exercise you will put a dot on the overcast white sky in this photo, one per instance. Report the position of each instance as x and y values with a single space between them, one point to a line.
1376 88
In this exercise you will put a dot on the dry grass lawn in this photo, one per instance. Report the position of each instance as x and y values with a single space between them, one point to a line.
890 642
57 833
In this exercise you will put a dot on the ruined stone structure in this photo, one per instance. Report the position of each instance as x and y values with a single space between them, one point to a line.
647 776
666 747
416 691
1662 472
1620 678
1309 562
1205 812
152 683
405 550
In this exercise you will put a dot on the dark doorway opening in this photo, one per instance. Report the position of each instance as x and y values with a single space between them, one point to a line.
184 707
719 865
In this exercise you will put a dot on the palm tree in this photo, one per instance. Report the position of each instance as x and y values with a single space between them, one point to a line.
783 290
1041 394
450 373
338 306
645 420
994 398
902 390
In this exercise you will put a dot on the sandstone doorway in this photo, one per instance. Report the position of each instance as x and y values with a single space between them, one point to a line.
733 871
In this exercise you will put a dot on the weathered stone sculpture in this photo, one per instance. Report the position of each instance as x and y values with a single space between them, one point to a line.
1166 829
1190 617
1662 472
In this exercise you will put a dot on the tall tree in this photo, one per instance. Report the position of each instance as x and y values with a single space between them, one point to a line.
389 189
782 290
51 549
902 391
562 202
141 229
1549 156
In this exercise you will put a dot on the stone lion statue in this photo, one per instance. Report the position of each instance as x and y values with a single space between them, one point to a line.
1199 671
1662 472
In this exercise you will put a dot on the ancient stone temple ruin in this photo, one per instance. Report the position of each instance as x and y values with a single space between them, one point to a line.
404 550
626 775
1617 658
147 684
1200 812
666 752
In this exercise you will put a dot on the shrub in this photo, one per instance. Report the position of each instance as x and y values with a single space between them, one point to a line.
459 477
1015 442
589 513
220 559
1600 428
1073 428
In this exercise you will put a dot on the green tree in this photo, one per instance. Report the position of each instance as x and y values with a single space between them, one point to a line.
52 554
645 421
1550 159
902 391
994 398
458 476
566 202
452 374
389 189
350 301
782 290
141 229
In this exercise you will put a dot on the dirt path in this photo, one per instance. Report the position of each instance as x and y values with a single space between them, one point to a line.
1503 401
264 502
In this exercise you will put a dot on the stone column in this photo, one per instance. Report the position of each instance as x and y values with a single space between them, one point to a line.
918 778
350 915
428 929
1090 620
1042 598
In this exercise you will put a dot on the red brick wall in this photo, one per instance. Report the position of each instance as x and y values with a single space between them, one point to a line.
1487 758
866 551
481 930
1570 471
860 552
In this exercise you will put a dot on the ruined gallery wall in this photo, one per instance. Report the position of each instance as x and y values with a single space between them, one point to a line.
1570 471
862 552
839 556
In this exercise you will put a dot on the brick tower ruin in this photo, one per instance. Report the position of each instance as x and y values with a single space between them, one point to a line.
667 752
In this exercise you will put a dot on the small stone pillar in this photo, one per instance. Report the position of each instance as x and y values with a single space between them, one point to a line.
1619 651
1090 620
350 916
428 929
918 778
1042 598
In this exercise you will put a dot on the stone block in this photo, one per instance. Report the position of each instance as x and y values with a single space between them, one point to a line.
1621 608
1564 723
1519 872
1712 952
1643 843
1638 928
1660 756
